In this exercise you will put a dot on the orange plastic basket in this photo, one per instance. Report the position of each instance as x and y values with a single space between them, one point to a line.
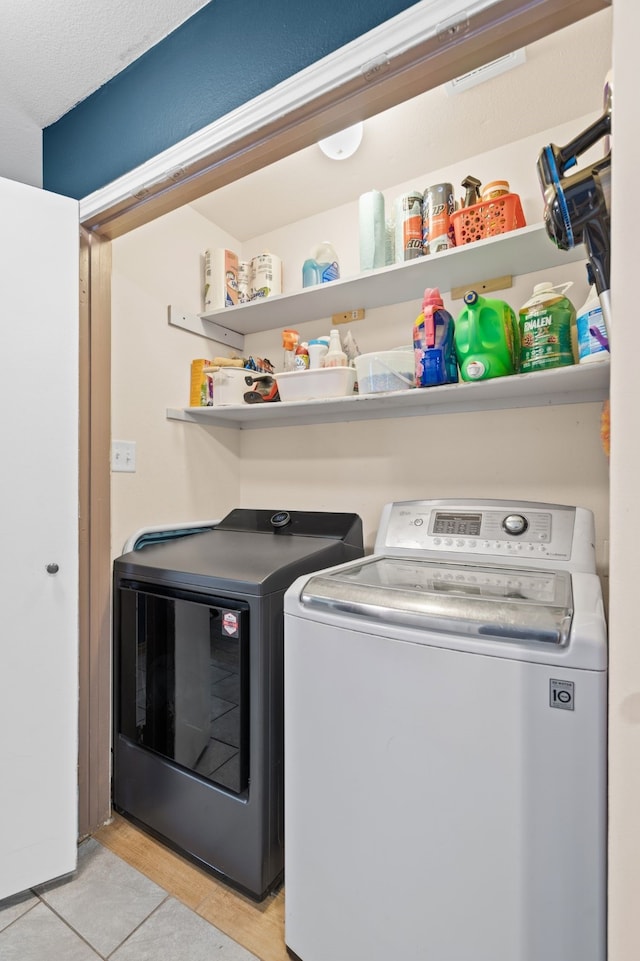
488 219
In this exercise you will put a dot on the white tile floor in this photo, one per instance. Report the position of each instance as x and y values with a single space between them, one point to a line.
108 910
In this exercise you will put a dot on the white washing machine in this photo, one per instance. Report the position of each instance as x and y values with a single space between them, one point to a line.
445 741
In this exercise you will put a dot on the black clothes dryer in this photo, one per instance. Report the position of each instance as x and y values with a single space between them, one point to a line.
198 684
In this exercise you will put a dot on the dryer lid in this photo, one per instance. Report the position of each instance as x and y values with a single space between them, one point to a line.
466 599
251 552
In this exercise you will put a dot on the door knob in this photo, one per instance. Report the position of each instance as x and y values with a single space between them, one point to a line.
52 568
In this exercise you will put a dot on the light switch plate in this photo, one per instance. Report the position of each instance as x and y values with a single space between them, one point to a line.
123 455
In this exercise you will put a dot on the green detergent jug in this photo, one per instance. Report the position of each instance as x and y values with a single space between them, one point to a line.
546 321
486 338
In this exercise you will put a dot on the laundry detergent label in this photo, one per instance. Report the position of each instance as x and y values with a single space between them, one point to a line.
329 272
592 333
230 623
545 335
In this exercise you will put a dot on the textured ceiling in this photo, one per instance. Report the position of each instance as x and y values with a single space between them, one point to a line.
54 53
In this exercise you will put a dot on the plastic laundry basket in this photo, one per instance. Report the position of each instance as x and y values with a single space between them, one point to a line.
488 219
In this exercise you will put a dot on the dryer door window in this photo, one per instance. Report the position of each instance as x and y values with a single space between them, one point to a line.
183 680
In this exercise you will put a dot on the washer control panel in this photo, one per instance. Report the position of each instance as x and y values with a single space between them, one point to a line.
521 531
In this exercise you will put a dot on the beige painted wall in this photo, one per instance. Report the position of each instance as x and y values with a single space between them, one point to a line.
182 474
522 454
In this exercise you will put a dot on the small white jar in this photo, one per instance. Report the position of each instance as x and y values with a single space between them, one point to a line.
317 350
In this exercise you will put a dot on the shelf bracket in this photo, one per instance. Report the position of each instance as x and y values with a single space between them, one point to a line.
206 328
483 286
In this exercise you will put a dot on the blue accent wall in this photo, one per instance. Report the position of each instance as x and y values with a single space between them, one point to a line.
229 52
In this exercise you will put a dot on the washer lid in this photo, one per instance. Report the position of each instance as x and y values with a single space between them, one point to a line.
468 599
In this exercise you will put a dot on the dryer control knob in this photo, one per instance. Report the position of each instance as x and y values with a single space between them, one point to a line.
281 519
515 524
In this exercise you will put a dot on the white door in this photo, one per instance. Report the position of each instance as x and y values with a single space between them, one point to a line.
39 239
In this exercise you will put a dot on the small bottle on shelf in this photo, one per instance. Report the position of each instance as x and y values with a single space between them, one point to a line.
495 189
335 356
290 340
302 357
322 266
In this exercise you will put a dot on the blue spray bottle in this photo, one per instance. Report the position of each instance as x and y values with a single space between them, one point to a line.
433 343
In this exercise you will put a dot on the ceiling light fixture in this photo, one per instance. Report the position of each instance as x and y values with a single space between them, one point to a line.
342 144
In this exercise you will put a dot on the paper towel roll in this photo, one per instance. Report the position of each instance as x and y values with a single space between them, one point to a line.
220 278
266 276
372 230
245 277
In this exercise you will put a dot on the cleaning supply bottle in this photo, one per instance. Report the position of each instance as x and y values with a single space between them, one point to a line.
593 337
290 340
486 338
335 356
433 343
322 266
472 191
545 328
302 356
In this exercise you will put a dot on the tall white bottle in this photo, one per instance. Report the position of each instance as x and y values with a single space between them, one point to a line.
335 356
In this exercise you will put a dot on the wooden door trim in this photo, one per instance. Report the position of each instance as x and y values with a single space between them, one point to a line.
94 743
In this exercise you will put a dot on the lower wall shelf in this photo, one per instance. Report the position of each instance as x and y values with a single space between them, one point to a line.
564 385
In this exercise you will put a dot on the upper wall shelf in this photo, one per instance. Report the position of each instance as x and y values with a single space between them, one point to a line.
514 253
